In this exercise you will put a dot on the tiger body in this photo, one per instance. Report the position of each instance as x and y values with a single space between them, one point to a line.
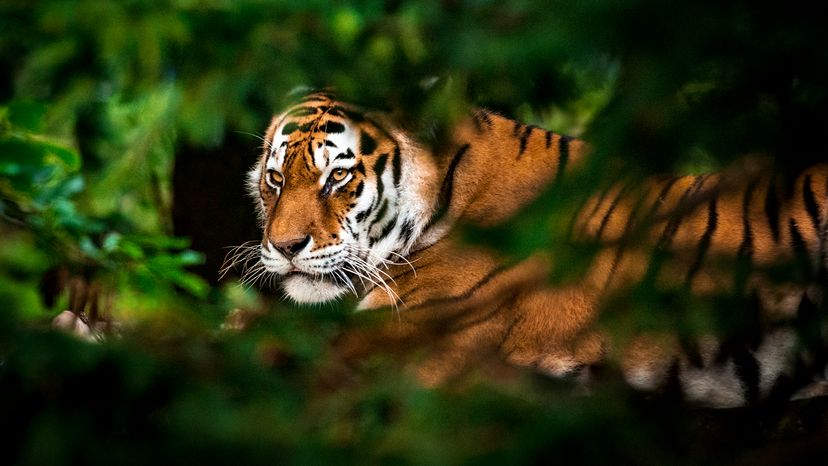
350 203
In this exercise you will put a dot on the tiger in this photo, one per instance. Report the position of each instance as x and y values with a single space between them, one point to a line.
351 203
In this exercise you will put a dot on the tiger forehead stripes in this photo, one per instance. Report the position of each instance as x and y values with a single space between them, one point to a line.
338 195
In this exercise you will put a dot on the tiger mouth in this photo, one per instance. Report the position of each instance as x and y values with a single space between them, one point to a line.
328 277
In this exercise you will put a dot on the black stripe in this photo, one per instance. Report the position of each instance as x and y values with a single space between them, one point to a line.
476 121
671 386
633 215
486 118
380 214
663 194
613 205
516 128
704 243
507 333
625 236
367 144
549 139
388 228
563 155
349 154
772 208
447 188
396 165
330 144
811 203
325 256
524 138
358 190
746 248
332 127
747 370
353 115
798 243
600 202
691 351
360 167
675 220
308 159
289 128
379 168
407 230
361 215
351 229
465 295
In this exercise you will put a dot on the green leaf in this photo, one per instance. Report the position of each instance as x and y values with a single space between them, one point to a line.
27 115
55 153
191 283
191 258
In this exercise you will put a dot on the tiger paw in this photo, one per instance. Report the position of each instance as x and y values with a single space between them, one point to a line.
81 326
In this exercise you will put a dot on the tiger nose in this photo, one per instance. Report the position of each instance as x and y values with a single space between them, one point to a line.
292 247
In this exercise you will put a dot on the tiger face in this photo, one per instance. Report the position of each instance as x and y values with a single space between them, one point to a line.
339 196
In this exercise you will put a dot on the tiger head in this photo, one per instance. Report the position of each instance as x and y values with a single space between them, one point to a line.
340 193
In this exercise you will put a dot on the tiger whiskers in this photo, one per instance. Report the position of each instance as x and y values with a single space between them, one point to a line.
265 142
374 270
373 274
343 277
379 283
376 257
253 275
239 255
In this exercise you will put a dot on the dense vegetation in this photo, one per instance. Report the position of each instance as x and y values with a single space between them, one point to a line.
125 129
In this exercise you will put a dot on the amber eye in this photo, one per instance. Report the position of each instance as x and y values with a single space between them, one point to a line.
274 179
338 175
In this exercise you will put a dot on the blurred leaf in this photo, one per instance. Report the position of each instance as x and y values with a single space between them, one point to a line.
27 115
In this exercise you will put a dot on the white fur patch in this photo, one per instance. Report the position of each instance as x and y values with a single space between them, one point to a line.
644 378
774 357
716 387
303 289
323 156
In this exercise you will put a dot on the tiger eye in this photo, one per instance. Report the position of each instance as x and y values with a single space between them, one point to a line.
339 174
275 179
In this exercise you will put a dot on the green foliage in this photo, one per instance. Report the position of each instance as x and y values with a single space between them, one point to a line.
40 181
